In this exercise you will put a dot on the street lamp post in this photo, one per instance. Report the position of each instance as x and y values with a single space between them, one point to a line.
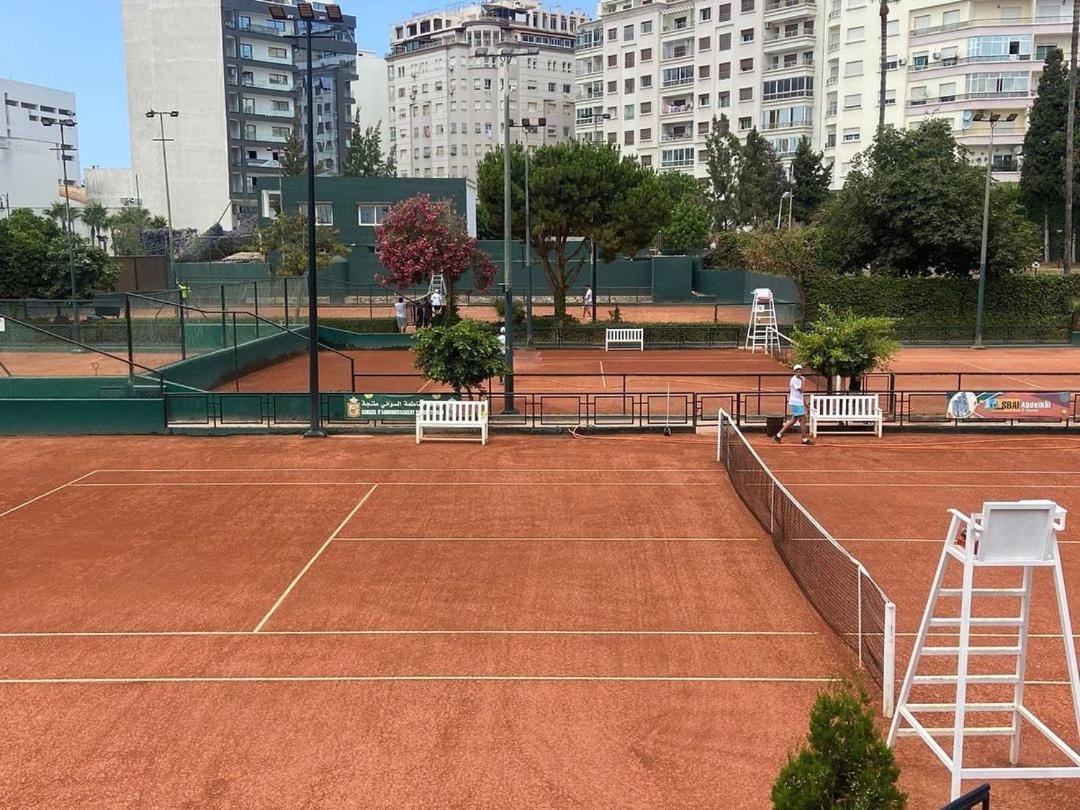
165 166
307 15
526 128
62 149
993 118
507 54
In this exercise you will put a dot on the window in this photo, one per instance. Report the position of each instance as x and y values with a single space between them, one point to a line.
628 85
787 117
723 70
704 43
646 81
950 19
280 106
747 6
628 138
612 34
893 28
628 59
745 124
703 71
703 128
723 13
677 157
324 213
613 60
280 132
628 112
853 68
551 87
747 35
646 27
645 134
723 42
853 101
794 87
746 94
243 22
372 214
646 161
920 21
250 132
857 33
703 100
279 78
278 53
645 107
1043 51
245 50
851 135
705 14
646 54
723 100
613 86
746 65
628 33
249 106
989 83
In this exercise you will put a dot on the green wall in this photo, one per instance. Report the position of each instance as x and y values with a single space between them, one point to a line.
218 367
51 417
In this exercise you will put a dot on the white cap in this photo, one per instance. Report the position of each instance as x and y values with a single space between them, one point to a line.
797 367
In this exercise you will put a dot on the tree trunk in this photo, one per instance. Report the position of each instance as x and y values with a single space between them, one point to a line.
559 294
1070 146
1046 235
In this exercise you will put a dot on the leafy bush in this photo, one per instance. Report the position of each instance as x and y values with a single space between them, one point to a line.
845 345
371 325
462 356
844 762
518 310
547 330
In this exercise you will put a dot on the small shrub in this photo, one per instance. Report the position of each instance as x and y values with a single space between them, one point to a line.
844 763
462 356
615 315
517 309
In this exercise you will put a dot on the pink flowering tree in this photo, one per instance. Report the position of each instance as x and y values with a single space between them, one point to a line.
419 238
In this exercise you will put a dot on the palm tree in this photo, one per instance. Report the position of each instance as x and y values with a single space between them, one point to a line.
57 211
96 217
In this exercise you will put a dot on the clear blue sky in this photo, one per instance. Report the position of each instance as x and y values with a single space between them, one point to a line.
78 45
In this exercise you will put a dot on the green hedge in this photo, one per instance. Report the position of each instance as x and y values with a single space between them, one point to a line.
545 330
1018 308
369 325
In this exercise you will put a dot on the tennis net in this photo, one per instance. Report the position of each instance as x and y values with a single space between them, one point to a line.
835 583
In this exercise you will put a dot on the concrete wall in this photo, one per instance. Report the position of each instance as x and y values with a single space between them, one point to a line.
174 61
370 91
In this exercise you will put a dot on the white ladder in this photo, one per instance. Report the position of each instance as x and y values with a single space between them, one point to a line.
761 333
436 284
1018 535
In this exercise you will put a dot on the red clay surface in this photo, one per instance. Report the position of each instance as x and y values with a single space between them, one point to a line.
77 364
885 501
269 620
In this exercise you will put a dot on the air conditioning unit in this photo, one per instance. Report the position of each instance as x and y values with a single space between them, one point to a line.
901 62
937 56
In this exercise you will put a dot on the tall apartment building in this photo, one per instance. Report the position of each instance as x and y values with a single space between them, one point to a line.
446 105
31 173
370 92
237 80
652 73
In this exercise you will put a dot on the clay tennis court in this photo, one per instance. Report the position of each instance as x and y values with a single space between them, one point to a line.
885 501
269 620
78 364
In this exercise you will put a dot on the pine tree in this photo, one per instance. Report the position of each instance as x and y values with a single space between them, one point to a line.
761 181
293 158
364 155
811 179
723 150
1042 175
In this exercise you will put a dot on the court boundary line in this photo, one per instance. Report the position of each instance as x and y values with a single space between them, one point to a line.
908 485
419 632
531 538
391 469
71 483
938 540
863 470
316 556
164 484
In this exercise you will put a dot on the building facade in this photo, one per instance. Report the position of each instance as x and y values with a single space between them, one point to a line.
236 77
31 174
371 92
651 74
446 104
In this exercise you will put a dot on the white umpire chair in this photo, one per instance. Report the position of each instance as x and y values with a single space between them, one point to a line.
1013 534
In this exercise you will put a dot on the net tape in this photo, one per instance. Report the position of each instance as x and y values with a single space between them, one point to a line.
833 581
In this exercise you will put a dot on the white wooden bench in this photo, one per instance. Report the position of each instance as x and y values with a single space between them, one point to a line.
833 409
452 414
624 336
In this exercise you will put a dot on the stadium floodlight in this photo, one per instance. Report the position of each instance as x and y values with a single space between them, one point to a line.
306 11
333 12
277 12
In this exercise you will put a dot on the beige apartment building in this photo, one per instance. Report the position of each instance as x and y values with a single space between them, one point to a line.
446 104
651 74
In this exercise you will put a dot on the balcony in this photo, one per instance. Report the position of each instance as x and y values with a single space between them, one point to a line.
672 137
773 41
831 80
834 14
676 109
953 61
830 109
681 49
789 9
989 98
681 163
684 26
682 81
767 127
788 68
1046 23
770 97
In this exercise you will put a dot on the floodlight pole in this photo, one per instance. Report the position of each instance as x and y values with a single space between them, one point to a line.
77 327
985 235
528 260
315 430
168 198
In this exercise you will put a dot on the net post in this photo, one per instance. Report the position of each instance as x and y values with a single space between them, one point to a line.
888 675
285 298
224 320
256 286
130 340
719 432
858 608
183 328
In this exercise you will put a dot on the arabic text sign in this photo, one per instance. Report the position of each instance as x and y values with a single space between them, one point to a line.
386 407
1008 405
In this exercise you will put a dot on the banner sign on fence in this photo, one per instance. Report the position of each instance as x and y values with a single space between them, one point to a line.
387 407
1007 405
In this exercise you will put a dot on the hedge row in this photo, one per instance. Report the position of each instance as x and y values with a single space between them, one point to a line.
545 330
1027 307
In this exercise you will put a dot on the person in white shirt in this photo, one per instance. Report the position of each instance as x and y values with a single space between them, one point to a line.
798 407
586 302
399 313
502 336
436 301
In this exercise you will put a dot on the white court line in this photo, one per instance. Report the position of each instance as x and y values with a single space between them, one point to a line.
425 385
311 562
909 485
938 540
857 471
422 678
1007 376
160 484
712 469
316 633
504 539
72 482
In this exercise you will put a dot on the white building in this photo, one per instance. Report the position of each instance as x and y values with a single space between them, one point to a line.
446 104
113 188
236 80
370 92
31 173
651 74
